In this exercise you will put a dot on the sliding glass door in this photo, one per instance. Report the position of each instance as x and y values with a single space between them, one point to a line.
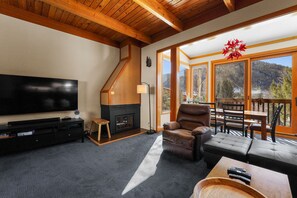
262 84
230 83
272 86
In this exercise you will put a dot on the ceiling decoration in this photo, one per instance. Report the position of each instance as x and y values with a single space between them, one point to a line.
113 21
233 49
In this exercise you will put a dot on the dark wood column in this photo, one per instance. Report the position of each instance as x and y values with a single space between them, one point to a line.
174 59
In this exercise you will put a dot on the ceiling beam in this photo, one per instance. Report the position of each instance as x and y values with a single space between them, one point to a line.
157 9
83 11
230 4
50 23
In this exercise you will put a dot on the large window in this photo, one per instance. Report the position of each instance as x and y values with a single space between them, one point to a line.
199 80
272 86
183 85
166 73
229 82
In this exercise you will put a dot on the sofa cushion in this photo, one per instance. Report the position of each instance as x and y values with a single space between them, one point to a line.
228 145
275 156
180 137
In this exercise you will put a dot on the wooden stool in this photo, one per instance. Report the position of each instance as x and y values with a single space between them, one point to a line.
100 122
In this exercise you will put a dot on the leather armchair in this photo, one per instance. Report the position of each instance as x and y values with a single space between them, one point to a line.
187 134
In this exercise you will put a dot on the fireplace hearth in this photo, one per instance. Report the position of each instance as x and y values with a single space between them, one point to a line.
121 117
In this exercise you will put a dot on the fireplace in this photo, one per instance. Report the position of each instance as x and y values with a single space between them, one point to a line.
124 122
121 117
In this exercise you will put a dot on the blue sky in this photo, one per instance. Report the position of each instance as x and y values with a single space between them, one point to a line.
285 61
166 67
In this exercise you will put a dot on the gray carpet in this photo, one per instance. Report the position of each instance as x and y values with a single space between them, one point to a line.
86 170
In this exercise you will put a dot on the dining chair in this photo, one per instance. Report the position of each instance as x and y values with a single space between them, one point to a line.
269 128
234 118
213 112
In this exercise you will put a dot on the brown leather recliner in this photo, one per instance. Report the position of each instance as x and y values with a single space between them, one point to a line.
191 129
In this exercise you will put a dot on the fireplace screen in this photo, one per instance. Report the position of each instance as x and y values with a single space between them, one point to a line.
124 122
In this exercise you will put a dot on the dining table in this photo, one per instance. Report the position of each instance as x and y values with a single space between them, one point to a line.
256 115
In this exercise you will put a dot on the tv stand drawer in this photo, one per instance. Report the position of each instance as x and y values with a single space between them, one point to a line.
35 141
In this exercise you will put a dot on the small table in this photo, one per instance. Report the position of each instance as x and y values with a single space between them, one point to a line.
272 184
100 122
257 115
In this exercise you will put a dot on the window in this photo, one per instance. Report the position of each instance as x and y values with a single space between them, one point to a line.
199 80
166 73
229 82
272 86
183 85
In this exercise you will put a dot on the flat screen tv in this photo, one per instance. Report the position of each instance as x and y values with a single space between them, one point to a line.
25 94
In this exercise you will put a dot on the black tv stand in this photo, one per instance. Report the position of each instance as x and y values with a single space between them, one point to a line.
31 134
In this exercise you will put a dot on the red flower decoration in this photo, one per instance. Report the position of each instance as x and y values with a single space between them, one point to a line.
233 48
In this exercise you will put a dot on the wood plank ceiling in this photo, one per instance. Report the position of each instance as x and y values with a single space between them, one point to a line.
113 21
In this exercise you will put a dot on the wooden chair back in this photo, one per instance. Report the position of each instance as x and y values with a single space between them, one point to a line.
274 121
234 113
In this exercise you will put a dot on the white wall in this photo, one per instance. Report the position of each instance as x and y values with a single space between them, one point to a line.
149 74
33 50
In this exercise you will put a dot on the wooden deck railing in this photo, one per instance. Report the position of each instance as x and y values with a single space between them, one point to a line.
266 105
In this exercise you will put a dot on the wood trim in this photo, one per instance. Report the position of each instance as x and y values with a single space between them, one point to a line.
158 88
273 42
273 55
250 46
248 85
212 83
294 92
233 27
184 53
184 63
205 55
50 23
174 59
83 11
199 64
230 4
161 12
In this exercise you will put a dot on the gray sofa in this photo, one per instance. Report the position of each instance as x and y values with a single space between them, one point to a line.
273 156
